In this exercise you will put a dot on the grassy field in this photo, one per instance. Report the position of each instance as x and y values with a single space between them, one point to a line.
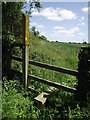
18 103
56 53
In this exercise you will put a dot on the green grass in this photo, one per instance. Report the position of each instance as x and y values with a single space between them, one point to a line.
16 101
54 53
59 54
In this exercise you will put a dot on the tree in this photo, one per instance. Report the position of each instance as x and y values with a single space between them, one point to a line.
37 33
34 4
34 30
12 27
43 37
11 30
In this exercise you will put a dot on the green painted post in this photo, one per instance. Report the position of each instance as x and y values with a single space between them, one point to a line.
25 52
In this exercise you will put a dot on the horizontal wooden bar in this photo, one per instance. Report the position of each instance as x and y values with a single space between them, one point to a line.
16 45
55 68
16 58
50 67
85 47
54 84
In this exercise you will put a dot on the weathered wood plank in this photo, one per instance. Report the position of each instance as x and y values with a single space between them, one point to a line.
42 98
16 45
50 67
54 84
16 58
55 68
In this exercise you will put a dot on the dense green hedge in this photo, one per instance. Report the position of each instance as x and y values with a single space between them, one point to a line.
83 78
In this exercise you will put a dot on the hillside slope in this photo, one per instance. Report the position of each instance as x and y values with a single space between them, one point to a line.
56 53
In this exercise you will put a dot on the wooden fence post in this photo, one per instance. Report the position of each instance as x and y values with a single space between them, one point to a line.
83 77
25 50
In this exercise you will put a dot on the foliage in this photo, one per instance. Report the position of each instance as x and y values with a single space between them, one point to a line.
8 39
84 75
36 33
12 28
13 23
14 104
43 37
11 32
18 103
36 4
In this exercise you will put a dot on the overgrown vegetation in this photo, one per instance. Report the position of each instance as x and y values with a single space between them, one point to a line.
17 102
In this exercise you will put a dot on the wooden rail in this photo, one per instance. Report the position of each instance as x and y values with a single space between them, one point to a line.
55 68
54 84
50 67
16 45
85 47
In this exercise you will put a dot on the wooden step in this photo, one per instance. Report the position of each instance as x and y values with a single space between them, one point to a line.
42 98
